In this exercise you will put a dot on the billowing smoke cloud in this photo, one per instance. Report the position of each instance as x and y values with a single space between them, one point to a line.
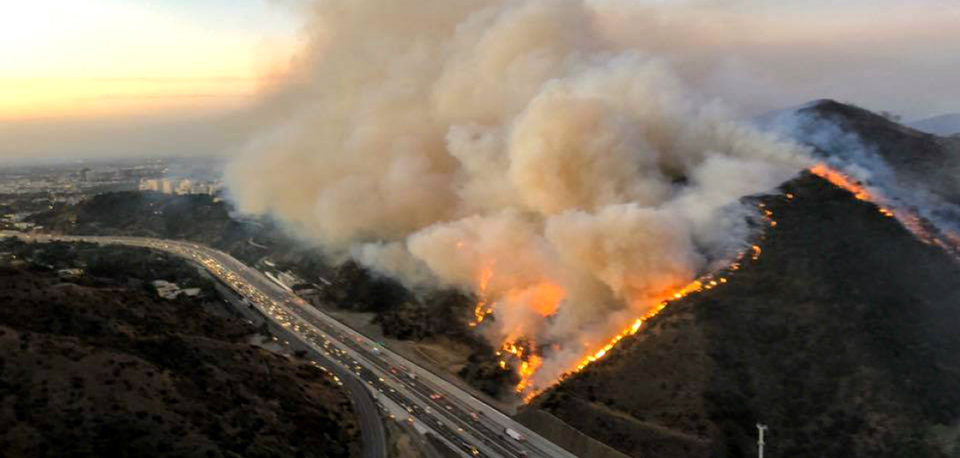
511 149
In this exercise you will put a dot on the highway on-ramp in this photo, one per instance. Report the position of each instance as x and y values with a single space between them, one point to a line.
400 387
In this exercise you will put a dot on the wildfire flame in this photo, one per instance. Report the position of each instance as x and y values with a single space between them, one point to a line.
527 369
528 361
706 282
482 309
545 298
929 234
921 228
840 180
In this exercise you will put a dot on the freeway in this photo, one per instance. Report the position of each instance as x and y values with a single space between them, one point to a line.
400 387
373 434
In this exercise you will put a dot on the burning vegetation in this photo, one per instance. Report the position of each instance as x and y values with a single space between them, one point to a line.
842 300
571 199
523 354
575 199
923 229
841 180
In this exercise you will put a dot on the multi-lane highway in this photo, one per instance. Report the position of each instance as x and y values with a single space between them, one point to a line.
402 389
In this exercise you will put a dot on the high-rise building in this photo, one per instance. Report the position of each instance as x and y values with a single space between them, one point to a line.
150 185
185 187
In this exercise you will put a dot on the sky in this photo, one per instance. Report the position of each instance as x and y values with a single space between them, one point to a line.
102 57
83 78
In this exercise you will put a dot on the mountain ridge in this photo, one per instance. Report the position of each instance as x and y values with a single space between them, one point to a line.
841 336
945 125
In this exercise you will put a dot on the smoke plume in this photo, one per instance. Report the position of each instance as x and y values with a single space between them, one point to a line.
922 186
508 148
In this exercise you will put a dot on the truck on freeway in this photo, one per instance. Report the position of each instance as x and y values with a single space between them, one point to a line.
515 435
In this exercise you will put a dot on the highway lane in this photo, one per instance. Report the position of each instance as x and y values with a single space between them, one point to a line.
373 433
464 411
372 430
466 419
465 423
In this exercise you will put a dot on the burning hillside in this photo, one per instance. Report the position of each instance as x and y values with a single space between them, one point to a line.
924 230
511 150
910 174
840 336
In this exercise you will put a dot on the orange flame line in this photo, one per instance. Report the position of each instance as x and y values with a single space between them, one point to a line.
706 282
532 362
912 222
841 181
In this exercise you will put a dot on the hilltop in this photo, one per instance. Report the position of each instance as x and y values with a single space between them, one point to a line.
916 159
840 337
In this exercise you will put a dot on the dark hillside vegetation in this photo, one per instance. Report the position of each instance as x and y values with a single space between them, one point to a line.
842 337
149 214
99 366
111 265
206 220
400 313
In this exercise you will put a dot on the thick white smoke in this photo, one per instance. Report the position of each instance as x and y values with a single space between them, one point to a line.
506 147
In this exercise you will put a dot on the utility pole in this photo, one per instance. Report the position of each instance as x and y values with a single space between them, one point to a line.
760 429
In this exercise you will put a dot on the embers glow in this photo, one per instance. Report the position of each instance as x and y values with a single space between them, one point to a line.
921 228
527 362
526 356
544 298
530 361
706 282
841 180
482 309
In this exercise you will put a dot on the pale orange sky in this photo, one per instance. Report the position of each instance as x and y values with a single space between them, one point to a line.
84 78
64 58
68 58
